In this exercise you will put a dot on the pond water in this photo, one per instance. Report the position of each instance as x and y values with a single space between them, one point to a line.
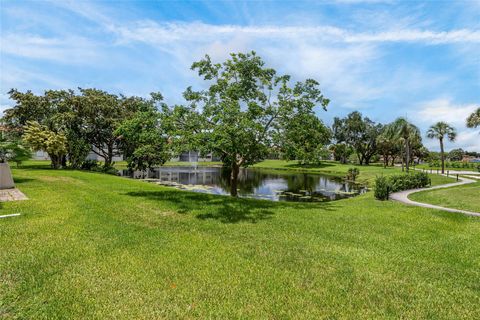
252 183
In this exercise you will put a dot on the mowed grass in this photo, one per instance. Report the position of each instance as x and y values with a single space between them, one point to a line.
367 173
89 245
465 197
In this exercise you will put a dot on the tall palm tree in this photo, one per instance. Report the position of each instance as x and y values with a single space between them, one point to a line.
473 120
440 131
405 132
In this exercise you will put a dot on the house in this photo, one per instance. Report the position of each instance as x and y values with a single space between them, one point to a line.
194 156
470 159
189 156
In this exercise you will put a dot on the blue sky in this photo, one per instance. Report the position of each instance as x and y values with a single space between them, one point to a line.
385 58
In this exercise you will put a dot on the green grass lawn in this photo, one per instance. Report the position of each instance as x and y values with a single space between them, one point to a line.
435 168
465 197
90 245
367 173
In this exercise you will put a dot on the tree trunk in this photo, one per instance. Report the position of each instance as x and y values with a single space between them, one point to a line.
407 147
367 160
109 156
55 161
234 179
442 155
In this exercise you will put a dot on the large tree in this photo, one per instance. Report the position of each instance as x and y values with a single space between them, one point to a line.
341 152
303 138
237 116
87 119
57 111
101 113
473 120
388 146
358 132
456 154
39 137
142 138
441 131
408 135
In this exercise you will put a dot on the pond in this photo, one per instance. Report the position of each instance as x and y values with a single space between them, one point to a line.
252 183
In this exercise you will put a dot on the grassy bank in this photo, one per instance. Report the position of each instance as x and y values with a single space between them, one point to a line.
367 173
89 245
465 197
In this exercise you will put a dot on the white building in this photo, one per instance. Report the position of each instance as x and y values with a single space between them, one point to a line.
189 156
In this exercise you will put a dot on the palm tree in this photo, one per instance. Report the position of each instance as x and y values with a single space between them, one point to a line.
406 133
439 131
473 120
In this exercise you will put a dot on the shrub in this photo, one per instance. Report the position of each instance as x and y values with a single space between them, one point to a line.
382 188
89 164
399 182
94 165
352 173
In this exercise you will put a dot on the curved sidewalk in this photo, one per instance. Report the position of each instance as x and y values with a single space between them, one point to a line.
402 196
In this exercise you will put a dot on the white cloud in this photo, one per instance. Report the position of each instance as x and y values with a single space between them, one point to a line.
65 50
353 67
155 33
469 140
443 109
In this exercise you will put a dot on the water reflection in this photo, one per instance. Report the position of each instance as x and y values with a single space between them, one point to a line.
252 183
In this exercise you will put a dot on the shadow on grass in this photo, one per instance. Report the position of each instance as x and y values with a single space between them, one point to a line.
223 208
22 180
309 166
29 166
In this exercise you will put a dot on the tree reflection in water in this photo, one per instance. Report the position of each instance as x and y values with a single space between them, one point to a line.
253 183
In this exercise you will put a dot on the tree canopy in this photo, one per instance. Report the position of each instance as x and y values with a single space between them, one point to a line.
237 116
408 136
442 130
142 140
358 132
473 121
41 138
303 138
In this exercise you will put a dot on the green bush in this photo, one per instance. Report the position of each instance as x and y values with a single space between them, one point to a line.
94 165
89 164
382 188
399 182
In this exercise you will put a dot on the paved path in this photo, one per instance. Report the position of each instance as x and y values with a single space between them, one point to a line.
402 196
473 177
11 195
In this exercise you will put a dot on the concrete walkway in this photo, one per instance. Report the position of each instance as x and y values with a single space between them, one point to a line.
11 195
474 177
402 196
